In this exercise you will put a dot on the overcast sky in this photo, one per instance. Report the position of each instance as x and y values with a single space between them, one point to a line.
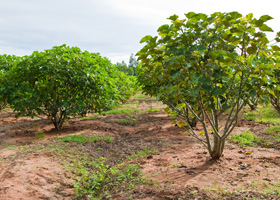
111 27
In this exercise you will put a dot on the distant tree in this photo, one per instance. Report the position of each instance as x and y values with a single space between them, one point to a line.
132 65
131 68
132 61
122 67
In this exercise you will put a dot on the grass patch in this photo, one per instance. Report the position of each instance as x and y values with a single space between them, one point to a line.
83 139
152 110
274 131
132 115
246 139
134 105
89 118
142 154
12 147
264 115
141 96
40 147
97 181
122 111
98 173
127 122
40 135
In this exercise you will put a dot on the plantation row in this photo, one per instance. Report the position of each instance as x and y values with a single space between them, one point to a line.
62 82
206 68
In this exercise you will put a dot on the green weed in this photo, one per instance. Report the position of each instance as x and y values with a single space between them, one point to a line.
152 110
122 111
134 105
264 115
89 118
274 131
109 139
40 135
12 147
141 96
132 115
245 139
83 139
40 147
127 122
96 184
142 154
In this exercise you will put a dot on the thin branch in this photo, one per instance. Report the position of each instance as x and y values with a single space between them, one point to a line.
190 128
189 107
230 114
213 126
204 126
232 126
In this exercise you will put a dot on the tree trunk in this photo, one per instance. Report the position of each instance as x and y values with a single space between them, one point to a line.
58 120
275 103
193 122
252 106
218 148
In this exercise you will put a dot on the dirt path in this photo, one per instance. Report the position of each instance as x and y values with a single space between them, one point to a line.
180 169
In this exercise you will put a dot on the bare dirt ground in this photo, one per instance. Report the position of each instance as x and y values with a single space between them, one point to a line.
181 168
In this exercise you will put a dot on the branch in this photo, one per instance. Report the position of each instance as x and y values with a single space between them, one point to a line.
209 147
190 128
189 107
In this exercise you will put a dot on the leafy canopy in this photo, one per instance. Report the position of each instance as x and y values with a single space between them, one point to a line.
205 65
61 82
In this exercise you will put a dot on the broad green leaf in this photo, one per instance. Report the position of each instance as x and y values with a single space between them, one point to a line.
275 48
252 49
190 14
235 15
265 18
163 28
166 110
146 38
181 124
265 27
173 17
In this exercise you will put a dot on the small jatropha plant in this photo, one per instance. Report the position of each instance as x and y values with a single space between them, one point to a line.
206 68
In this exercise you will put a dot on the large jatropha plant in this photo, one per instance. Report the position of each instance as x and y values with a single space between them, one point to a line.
207 67
273 83
58 83
6 64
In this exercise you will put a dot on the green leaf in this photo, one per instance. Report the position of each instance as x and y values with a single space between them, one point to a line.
265 18
235 14
190 14
166 110
146 38
201 133
252 50
173 17
181 124
163 28
265 27
249 16
275 48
